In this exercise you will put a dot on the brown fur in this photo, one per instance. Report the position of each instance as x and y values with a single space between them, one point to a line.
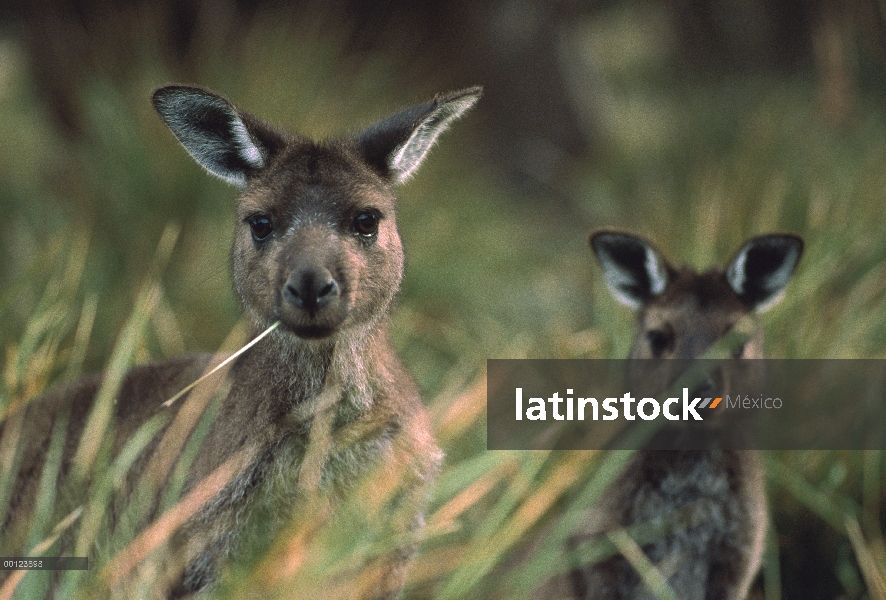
321 402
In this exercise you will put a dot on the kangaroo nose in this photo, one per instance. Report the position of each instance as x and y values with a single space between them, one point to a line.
704 388
311 290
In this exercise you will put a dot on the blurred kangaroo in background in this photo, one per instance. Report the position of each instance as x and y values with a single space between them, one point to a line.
316 248
681 314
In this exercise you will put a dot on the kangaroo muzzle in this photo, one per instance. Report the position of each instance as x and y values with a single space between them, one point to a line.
311 290
315 282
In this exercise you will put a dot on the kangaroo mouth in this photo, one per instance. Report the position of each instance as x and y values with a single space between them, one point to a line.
312 327
313 320
311 332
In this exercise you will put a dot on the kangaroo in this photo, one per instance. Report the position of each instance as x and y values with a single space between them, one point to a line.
316 247
681 313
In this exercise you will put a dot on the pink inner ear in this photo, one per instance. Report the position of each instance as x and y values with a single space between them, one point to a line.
248 151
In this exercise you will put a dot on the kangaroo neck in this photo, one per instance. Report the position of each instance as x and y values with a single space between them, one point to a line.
293 371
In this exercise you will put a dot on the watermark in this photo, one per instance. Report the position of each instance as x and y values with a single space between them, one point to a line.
737 404
44 563
647 409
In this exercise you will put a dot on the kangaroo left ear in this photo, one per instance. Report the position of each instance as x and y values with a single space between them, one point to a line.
227 142
396 146
634 270
762 268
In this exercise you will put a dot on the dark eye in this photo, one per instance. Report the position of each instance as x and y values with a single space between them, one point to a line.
366 223
261 227
660 341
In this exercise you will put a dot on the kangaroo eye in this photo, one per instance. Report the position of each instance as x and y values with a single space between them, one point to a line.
261 228
660 341
366 223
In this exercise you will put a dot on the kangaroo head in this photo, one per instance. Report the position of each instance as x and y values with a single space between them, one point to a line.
316 243
681 312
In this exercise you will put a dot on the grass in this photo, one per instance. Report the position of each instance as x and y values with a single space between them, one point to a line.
492 273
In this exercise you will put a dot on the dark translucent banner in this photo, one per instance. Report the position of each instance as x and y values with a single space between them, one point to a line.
738 404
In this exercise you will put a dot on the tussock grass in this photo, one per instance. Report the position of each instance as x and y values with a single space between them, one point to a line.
492 273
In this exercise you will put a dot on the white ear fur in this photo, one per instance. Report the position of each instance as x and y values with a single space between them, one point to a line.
634 270
409 155
246 146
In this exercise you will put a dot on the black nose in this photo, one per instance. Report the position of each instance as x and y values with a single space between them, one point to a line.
311 290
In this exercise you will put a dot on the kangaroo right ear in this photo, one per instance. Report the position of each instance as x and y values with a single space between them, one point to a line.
226 142
396 146
762 268
634 269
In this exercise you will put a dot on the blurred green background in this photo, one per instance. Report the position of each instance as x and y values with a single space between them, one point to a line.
696 124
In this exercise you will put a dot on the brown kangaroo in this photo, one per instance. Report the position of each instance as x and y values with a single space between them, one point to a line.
316 248
681 314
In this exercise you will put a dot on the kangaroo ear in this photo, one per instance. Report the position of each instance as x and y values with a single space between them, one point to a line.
396 146
634 269
762 268
228 143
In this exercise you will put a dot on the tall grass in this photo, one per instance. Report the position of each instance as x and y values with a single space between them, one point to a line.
491 274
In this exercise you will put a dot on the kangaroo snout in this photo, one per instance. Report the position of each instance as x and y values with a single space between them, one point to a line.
314 301
316 273
311 289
